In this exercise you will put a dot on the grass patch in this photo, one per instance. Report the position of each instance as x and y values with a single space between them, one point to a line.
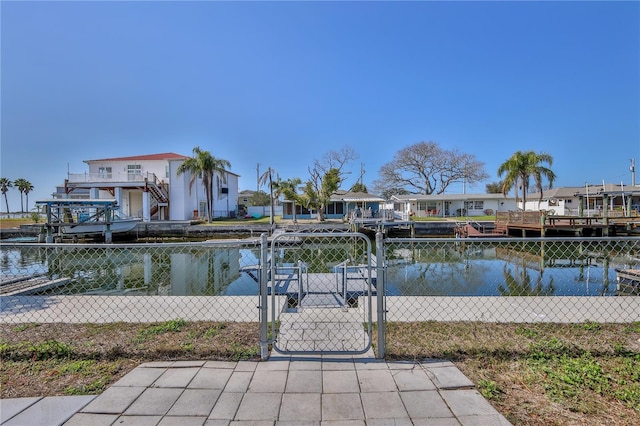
586 373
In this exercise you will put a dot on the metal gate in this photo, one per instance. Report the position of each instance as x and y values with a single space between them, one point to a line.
319 289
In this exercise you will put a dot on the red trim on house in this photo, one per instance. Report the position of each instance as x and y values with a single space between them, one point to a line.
163 156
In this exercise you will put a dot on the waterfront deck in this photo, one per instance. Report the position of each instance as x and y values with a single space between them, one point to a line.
535 223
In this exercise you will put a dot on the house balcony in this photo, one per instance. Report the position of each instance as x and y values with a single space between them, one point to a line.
147 182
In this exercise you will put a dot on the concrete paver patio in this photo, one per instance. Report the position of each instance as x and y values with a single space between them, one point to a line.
285 390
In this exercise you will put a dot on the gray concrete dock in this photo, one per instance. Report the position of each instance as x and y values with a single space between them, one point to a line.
285 390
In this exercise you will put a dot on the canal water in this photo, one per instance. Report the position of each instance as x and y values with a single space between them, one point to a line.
448 270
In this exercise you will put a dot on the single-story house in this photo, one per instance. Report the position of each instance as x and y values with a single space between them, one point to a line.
149 187
446 205
587 200
343 204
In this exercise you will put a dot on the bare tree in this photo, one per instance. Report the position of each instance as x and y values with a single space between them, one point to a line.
426 168
325 177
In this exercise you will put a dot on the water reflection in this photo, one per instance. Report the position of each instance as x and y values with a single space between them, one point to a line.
187 271
496 269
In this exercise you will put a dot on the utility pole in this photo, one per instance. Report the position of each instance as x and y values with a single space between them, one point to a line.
633 172
258 177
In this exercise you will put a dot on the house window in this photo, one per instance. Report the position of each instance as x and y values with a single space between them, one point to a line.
105 172
474 205
334 208
428 207
166 172
134 171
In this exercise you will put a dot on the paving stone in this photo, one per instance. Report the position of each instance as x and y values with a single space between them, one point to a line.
483 420
176 377
390 422
340 382
259 406
337 364
114 400
305 364
141 377
383 405
9 407
182 421
216 422
156 364
425 404
414 379
154 402
138 420
403 365
371 364
52 410
220 364
226 406
273 364
304 381
268 381
442 421
343 423
448 377
184 364
239 381
211 378
90 419
376 381
246 366
342 406
300 407
467 403
195 402
435 363
298 423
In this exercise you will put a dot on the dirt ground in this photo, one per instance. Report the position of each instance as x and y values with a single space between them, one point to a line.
533 374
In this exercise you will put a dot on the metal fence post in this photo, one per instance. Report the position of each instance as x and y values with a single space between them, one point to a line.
264 304
380 295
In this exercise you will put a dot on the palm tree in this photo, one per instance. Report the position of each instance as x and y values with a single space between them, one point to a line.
267 178
24 186
520 168
208 167
289 188
5 184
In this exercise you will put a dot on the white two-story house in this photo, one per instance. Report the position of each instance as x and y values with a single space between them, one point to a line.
148 186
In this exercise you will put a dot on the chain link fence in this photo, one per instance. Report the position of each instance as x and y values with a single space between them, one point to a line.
204 281
548 280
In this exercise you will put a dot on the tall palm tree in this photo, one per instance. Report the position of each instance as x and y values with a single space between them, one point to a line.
206 165
5 184
268 178
289 188
520 168
24 186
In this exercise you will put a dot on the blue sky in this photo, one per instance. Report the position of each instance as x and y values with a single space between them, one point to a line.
281 83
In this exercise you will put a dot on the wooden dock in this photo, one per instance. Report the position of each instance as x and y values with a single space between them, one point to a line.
628 281
536 223
31 284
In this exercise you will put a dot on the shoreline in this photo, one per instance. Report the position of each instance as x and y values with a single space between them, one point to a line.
191 229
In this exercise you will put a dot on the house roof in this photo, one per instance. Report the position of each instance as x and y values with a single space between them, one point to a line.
358 197
448 197
149 157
